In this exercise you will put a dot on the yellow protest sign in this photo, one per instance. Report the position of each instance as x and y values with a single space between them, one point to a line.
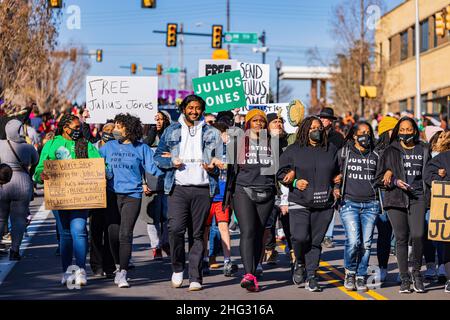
75 184
439 226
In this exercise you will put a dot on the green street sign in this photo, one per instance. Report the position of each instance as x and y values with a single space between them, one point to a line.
240 37
172 70
221 92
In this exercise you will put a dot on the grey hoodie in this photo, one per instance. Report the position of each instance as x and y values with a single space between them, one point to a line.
26 152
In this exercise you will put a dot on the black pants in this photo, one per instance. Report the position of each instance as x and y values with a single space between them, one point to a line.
271 242
409 224
121 218
284 219
446 258
308 229
252 218
384 229
188 207
101 258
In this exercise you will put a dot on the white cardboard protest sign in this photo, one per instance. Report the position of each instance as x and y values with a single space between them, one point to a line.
256 82
208 67
273 108
108 96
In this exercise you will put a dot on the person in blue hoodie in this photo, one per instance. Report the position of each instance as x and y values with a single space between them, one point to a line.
127 159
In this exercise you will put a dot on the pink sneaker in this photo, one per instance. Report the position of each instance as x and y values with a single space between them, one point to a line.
250 283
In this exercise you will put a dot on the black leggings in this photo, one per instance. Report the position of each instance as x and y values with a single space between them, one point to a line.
409 224
384 228
446 258
121 218
308 228
252 218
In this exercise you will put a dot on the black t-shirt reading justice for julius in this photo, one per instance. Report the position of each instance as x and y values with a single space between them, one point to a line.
251 173
413 164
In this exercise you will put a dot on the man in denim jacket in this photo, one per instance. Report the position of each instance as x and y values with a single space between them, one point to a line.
186 153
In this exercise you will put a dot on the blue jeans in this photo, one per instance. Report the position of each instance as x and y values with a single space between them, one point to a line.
215 244
359 219
73 236
330 229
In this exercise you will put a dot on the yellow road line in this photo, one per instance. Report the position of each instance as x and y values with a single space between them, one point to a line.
371 293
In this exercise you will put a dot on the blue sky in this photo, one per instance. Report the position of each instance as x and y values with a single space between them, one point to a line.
125 33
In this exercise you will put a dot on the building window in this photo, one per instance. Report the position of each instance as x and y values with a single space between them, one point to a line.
403 105
424 36
412 103
436 104
423 102
404 45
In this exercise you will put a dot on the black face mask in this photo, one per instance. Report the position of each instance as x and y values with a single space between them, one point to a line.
118 136
75 134
364 140
107 137
315 136
406 138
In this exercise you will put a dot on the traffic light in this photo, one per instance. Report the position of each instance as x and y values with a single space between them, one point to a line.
216 41
447 18
171 37
159 69
133 68
440 25
55 4
99 55
149 4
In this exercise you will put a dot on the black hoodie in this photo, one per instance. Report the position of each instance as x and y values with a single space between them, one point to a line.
318 166
441 161
393 159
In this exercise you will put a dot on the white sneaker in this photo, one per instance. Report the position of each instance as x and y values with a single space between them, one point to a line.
383 274
64 278
195 286
80 277
177 279
122 281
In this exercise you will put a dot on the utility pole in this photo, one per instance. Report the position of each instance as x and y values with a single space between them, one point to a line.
228 26
418 85
182 75
363 80
263 43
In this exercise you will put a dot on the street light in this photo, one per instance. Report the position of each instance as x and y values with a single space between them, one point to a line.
278 65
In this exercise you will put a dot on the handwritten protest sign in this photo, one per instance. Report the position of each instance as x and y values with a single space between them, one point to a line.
221 92
273 108
256 82
75 184
439 226
108 96
208 67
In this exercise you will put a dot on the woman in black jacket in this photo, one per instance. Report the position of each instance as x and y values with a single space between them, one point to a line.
400 173
312 193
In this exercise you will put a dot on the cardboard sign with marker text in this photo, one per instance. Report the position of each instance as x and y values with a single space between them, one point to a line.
439 225
75 184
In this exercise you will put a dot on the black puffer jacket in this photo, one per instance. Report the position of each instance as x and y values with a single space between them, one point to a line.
392 159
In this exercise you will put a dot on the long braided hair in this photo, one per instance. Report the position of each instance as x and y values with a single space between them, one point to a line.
303 132
81 145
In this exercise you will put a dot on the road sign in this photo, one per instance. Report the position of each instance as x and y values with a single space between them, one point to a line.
240 37
172 70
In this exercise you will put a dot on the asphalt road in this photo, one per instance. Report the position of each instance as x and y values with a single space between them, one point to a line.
37 275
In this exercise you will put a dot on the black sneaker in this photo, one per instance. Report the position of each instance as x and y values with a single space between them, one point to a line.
298 274
361 285
14 255
312 285
447 287
405 285
349 282
417 281
98 274
229 269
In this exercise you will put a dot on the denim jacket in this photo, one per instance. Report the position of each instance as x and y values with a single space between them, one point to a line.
170 142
